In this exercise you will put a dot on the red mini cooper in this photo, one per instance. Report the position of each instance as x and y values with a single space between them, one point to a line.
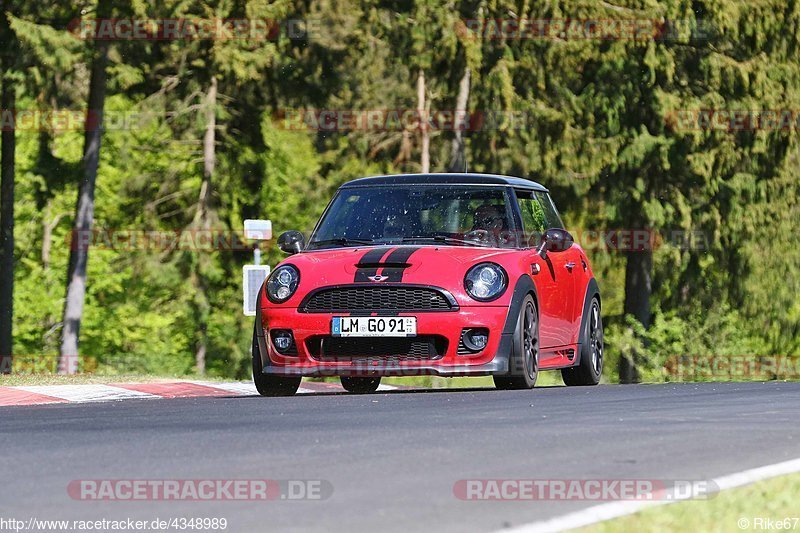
444 274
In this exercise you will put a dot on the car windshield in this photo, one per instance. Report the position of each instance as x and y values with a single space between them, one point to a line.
450 215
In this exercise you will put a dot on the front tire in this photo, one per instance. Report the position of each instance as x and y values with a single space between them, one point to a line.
590 367
524 360
267 385
360 385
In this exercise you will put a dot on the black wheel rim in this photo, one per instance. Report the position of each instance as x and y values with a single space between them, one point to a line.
530 341
596 339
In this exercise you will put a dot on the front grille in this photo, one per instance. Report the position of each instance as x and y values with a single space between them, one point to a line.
367 299
420 348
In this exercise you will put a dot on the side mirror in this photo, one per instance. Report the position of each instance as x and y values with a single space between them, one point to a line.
555 240
291 242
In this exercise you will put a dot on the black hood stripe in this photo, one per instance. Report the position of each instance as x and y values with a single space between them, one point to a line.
372 257
399 256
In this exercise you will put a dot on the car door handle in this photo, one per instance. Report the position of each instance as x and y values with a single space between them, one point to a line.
570 265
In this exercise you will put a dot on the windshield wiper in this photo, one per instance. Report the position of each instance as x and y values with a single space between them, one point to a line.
343 241
446 240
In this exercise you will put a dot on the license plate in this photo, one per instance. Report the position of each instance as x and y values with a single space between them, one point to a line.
374 326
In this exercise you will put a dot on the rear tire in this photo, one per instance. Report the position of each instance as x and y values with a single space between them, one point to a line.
271 385
524 360
590 367
360 385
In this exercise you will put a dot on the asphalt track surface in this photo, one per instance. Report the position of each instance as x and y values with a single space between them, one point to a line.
392 458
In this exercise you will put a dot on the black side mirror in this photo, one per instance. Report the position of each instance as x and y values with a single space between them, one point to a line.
555 240
291 242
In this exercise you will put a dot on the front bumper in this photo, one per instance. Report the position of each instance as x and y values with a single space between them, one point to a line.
494 359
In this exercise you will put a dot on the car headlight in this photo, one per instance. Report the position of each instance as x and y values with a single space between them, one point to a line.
282 283
486 282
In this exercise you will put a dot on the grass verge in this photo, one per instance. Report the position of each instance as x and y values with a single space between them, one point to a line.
744 509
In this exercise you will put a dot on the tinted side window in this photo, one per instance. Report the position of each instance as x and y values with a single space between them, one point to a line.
533 217
551 218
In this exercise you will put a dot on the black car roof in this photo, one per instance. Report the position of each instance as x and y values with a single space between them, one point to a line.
445 179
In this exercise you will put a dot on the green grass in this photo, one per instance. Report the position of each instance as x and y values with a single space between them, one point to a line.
775 499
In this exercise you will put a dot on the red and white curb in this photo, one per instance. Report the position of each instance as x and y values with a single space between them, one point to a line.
48 394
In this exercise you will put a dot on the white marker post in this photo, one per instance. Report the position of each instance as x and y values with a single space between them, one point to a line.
255 274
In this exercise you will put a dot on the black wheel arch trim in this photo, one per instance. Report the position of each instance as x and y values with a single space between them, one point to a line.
261 340
522 288
592 290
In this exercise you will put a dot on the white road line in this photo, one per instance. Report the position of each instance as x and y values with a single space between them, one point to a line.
86 393
608 511
243 388
747 477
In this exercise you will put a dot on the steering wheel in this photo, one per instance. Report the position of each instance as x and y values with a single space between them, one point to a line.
479 235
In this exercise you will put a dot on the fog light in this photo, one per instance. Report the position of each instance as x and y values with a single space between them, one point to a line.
479 340
283 340
475 340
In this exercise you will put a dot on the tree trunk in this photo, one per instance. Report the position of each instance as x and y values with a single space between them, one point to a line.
209 154
48 227
84 210
638 287
7 176
458 156
203 220
423 121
